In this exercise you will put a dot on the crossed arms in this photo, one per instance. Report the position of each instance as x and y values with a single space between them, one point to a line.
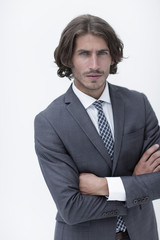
93 185
65 183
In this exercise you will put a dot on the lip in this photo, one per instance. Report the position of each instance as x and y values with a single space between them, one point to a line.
94 76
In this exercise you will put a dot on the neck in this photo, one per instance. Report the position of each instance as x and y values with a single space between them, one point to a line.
92 92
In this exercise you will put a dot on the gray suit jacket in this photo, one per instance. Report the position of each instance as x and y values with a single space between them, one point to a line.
67 144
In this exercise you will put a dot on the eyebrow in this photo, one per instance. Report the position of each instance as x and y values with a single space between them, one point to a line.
85 50
104 50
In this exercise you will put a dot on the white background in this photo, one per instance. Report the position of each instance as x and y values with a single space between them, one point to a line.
29 33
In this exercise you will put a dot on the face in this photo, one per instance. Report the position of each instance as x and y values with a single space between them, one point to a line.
91 64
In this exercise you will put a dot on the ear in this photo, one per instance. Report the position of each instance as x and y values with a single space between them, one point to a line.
112 62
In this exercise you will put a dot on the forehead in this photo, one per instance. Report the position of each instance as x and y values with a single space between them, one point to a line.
89 42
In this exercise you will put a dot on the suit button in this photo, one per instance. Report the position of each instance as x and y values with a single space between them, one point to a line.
109 213
143 199
104 214
146 198
115 212
135 201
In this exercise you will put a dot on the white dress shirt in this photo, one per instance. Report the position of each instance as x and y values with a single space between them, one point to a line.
115 184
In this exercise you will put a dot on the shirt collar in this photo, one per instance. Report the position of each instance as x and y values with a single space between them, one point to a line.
87 100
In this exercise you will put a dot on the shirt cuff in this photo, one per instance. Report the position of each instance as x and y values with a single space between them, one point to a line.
116 189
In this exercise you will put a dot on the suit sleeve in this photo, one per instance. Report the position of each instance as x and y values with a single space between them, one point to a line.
62 178
141 189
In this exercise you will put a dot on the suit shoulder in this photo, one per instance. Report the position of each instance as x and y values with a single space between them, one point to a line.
56 105
126 92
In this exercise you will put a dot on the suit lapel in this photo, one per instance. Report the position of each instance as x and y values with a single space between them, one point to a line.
80 115
118 116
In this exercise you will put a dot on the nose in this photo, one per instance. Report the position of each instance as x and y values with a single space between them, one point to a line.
93 64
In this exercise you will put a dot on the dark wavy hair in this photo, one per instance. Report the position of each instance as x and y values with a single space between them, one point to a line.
82 25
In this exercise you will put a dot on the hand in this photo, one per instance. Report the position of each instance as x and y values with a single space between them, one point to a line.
149 162
92 185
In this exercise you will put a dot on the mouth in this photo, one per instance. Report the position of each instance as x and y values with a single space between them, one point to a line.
94 76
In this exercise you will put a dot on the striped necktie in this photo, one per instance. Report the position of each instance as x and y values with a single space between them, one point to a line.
106 135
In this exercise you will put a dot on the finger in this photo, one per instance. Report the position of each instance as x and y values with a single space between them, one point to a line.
156 163
153 157
149 152
82 174
157 169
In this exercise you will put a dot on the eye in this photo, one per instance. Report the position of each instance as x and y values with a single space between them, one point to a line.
103 52
84 53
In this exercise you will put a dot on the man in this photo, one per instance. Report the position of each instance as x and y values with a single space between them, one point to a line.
98 144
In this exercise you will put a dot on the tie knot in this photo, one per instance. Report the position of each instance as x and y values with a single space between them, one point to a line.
98 105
